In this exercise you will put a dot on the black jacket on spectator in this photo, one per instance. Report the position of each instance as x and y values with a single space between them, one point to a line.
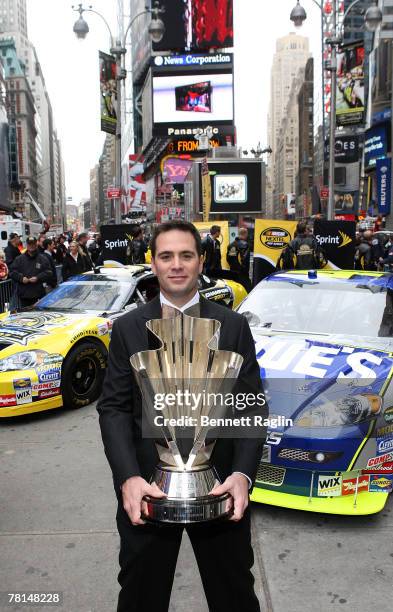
61 251
53 281
11 252
211 251
72 267
29 266
86 259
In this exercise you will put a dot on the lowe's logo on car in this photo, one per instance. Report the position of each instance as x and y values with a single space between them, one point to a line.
384 445
114 244
320 360
329 486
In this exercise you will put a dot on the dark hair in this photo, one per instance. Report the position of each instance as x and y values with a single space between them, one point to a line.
301 227
47 242
82 235
182 226
214 229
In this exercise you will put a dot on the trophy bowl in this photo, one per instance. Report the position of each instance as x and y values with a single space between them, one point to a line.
188 362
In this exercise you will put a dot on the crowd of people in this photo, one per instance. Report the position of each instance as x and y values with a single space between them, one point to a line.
37 266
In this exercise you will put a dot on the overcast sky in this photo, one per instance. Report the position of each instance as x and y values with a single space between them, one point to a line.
70 68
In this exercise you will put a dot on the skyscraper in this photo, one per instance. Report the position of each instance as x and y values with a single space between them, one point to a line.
292 52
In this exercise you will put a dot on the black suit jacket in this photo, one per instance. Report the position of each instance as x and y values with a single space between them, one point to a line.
120 406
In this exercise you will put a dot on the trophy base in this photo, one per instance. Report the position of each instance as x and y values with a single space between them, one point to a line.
187 498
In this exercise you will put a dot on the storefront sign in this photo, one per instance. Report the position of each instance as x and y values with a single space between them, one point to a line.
384 185
337 240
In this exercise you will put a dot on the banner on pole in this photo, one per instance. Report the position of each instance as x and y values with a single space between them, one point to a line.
108 93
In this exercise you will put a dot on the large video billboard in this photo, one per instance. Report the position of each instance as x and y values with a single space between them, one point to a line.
350 85
192 91
196 25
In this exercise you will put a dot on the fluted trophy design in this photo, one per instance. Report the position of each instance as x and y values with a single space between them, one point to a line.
187 361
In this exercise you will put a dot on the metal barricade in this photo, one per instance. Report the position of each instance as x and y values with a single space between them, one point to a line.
7 294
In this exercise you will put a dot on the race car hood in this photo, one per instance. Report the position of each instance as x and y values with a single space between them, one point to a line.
27 330
326 389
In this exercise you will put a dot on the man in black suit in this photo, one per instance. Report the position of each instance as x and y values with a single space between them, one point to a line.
148 553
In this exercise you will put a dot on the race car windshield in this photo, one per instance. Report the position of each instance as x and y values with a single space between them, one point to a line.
328 308
81 295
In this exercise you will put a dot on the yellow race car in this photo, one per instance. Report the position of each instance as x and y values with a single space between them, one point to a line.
56 354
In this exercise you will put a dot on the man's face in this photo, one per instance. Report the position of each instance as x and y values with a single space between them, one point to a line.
51 247
83 240
15 241
176 263
216 235
31 247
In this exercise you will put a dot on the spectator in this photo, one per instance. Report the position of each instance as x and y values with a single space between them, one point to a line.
379 224
11 250
3 266
211 251
136 249
61 250
73 261
303 252
30 271
363 253
238 258
49 247
87 261
40 242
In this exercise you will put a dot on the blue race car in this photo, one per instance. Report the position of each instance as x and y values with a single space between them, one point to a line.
324 343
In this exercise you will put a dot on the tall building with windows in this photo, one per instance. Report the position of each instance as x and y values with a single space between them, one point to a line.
292 53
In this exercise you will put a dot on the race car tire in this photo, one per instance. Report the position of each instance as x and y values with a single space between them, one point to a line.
83 374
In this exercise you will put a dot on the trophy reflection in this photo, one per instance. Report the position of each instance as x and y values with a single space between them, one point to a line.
187 364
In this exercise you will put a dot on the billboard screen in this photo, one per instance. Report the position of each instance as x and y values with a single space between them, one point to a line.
196 24
236 186
192 91
108 93
375 145
350 85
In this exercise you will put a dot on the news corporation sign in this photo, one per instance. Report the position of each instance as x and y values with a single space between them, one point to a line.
192 60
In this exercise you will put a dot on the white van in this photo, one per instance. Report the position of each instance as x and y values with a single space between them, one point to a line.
9 225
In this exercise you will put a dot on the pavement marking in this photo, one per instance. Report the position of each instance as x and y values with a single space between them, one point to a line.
267 604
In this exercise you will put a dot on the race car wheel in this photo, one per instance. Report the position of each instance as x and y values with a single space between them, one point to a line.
83 374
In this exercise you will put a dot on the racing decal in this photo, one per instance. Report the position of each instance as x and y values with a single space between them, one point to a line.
46 367
48 393
319 360
7 400
217 294
380 432
388 414
329 486
35 320
19 336
85 332
102 329
53 358
385 468
24 396
349 485
376 461
273 438
50 375
36 387
21 383
380 484
384 445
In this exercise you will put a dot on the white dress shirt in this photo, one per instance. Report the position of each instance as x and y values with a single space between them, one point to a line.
194 300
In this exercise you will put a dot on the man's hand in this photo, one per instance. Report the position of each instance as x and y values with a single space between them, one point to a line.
33 279
237 485
25 280
133 491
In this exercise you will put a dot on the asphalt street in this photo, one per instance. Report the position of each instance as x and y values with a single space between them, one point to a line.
58 533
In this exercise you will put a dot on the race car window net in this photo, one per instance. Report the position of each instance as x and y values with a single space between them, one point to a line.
331 308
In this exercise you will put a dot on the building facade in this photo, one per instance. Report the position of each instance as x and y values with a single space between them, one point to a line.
292 53
305 175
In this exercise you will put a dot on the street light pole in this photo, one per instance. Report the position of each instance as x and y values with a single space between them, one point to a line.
156 31
332 133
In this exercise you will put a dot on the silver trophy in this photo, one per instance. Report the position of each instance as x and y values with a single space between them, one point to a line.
187 362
